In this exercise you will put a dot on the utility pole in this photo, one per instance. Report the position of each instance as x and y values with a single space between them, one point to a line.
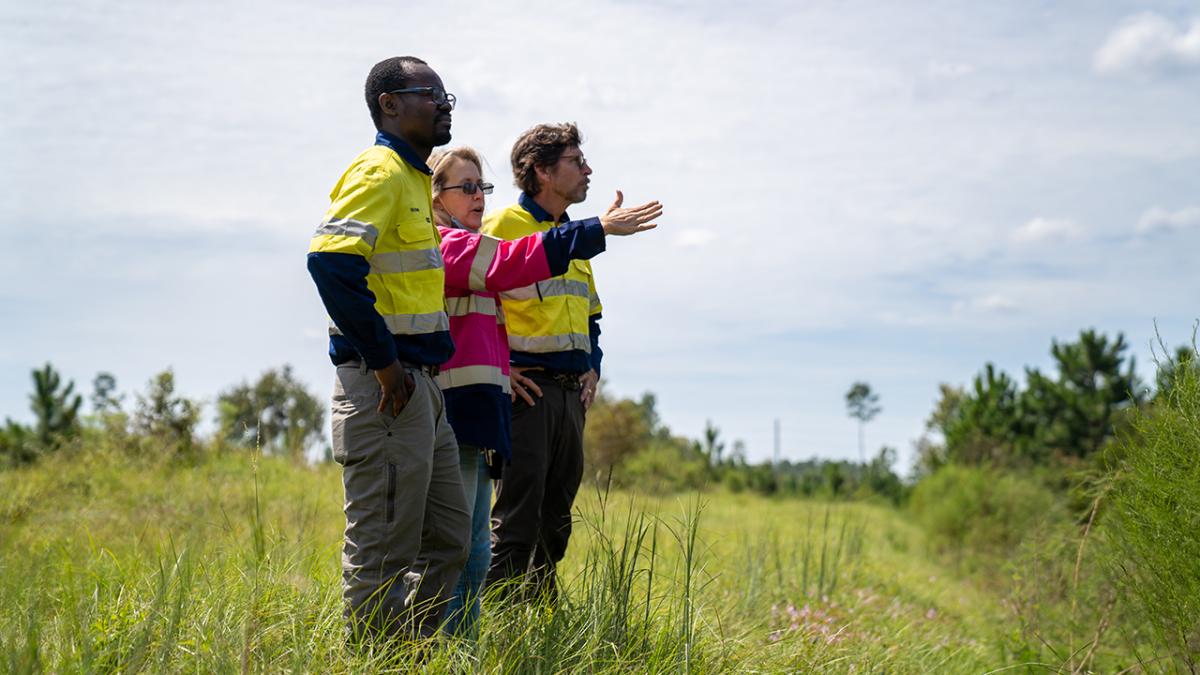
776 443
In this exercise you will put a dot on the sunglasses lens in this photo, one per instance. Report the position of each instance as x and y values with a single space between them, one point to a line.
468 188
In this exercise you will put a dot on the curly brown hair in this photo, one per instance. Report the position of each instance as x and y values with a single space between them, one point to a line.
542 145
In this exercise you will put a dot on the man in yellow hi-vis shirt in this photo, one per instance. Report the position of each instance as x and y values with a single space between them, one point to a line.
553 335
377 266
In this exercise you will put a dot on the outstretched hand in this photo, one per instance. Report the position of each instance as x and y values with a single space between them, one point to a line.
625 221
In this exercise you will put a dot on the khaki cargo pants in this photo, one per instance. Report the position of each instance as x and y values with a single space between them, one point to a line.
407 525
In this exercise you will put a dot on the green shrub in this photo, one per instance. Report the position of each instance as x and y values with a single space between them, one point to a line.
982 510
1153 524
663 466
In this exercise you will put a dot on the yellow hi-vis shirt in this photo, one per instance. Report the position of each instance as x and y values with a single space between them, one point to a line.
550 323
378 241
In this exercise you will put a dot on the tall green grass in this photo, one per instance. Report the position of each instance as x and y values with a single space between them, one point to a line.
232 565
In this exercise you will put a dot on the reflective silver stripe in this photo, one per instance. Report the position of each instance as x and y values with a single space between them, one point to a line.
471 304
393 262
467 375
410 324
485 253
416 324
553 287
347 227
540 344
500 319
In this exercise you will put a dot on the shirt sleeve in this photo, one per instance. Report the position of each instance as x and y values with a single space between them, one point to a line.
576 240
482 263
339 261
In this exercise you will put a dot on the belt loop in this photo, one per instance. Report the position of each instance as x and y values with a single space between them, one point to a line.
362 367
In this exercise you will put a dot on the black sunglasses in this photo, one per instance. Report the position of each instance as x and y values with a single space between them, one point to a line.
470 188
439 96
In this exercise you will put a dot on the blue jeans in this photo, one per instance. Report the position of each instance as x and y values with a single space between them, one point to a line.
462 614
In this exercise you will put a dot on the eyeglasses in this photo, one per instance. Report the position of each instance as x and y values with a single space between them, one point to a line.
577 160
440 96
470 188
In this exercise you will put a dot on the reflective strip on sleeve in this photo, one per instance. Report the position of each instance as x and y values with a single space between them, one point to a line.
410 324
347 227
594 306
541 344
471 304
553 287
394 262
485 253
468 375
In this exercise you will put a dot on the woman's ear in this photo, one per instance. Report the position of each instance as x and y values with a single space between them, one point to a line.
440 214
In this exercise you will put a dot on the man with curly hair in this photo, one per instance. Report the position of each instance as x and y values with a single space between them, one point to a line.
553 334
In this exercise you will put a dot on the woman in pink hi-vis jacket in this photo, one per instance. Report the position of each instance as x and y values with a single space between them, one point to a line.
476 381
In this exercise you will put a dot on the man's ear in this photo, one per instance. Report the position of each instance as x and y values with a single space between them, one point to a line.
390 105
542 172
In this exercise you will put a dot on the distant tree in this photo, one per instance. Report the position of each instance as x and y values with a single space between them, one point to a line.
737 456
1065 416
862 404
56 419
712 447
880 478
17 444
163 416
1075 417
987 422
104 400
277 412
56 411
931 446
616 429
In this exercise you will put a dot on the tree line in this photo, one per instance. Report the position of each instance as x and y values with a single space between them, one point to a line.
275 413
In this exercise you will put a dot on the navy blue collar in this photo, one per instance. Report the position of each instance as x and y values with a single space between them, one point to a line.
401 147
539 214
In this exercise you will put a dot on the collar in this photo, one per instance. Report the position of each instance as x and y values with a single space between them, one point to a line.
401 147
539 214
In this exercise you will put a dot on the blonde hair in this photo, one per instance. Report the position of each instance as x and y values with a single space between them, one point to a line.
440 163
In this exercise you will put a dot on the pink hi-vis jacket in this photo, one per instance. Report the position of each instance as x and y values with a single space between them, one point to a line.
478 267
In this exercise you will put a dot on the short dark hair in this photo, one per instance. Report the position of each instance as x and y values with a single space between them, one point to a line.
542 145
388 75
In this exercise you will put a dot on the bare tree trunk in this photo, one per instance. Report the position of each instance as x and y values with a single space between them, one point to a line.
861 457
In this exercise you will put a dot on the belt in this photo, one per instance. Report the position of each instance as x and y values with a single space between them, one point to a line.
429 370
564 379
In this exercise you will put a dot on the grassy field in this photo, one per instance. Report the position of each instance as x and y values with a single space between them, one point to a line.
233 565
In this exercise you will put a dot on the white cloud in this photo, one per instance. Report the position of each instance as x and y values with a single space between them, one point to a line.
944 70
992 303
695 238
1149 41
1048 229
1158 218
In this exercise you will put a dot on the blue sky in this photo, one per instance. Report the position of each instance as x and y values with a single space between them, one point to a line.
855 191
